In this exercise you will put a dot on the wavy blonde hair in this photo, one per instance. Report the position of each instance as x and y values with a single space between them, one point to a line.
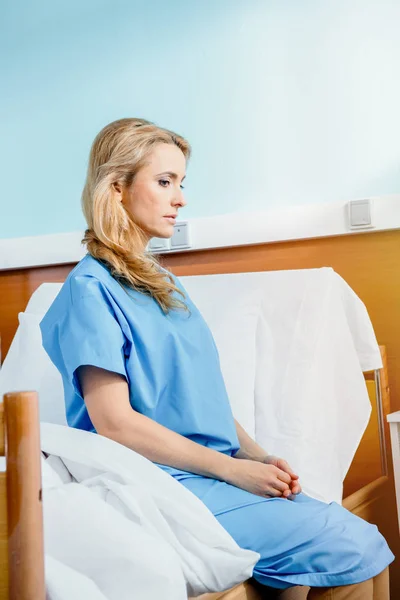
112 237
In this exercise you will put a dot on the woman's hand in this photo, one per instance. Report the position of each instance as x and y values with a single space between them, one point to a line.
295 486
260 479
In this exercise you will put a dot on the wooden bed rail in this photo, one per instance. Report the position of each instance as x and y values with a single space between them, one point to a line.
21 515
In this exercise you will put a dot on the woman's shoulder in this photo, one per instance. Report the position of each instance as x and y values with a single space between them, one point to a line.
88 280
90 267
90 273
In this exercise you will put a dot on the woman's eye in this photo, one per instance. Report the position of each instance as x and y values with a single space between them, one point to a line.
182 187
164 182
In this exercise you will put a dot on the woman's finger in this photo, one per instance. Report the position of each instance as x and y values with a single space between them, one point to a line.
287 468
283 476
280 485
296 488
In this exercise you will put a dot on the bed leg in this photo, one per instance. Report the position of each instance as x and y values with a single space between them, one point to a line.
24 497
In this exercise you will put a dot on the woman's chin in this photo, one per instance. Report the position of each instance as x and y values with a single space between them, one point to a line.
166 232
166 235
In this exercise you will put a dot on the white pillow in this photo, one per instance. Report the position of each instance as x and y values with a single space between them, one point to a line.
27 367
42 298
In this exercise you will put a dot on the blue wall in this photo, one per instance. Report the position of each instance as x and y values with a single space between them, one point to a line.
284 102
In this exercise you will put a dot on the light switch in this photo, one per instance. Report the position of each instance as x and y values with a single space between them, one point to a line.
159 244
360 214
180 239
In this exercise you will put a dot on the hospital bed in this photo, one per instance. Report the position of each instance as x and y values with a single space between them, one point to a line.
371 500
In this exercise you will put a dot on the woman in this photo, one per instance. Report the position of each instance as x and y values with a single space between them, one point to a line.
139 365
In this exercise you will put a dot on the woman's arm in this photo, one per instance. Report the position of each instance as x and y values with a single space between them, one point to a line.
249 449
106 397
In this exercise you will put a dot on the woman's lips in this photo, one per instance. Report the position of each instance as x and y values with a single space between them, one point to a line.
171 219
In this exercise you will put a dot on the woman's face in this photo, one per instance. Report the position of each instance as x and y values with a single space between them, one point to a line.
155 195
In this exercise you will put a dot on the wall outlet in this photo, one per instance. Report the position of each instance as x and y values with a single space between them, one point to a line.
360 214
181 237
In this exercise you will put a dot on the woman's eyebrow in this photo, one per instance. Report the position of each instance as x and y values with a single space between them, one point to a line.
171 174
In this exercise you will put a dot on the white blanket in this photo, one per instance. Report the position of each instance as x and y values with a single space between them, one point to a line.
117 527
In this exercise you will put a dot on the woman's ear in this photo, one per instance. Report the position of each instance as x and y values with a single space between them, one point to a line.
117 188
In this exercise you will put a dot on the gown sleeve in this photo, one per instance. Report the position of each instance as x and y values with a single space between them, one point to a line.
84 330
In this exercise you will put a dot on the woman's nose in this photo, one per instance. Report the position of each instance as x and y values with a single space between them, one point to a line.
180 199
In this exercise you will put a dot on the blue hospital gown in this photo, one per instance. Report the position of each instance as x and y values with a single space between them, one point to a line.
172 367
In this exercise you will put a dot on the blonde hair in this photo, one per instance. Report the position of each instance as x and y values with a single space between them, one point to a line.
112 237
